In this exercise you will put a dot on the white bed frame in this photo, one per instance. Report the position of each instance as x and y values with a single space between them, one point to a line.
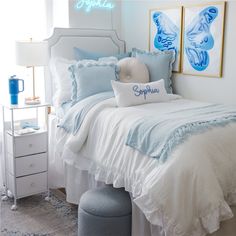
63 40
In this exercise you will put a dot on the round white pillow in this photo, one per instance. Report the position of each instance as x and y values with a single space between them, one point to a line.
133 71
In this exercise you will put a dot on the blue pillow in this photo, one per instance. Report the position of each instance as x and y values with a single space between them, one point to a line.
91 78
159 65
123 55
81 54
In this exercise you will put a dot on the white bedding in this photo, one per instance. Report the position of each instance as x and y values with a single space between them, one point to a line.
188 195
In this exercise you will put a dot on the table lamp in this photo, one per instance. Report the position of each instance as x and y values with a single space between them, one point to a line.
31 54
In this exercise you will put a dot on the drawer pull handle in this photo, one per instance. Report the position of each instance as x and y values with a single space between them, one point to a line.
30 145
32 185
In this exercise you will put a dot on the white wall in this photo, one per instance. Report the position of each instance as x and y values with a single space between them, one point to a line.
96 18
135 30
60 13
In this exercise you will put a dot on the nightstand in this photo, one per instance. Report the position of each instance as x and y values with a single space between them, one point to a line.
25 154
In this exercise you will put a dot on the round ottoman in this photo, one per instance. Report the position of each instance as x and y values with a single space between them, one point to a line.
105 211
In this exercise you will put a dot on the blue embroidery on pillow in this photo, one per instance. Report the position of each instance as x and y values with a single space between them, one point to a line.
144 92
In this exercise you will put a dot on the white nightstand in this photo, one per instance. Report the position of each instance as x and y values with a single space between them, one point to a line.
25 155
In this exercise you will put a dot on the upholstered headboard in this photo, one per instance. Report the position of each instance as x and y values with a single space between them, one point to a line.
63 40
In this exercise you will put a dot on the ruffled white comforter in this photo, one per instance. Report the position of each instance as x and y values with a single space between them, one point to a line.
187 195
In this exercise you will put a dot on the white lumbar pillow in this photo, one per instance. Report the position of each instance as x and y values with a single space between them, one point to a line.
130 94
132 70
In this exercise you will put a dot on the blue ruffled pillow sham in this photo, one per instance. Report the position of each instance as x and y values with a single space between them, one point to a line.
159 65
91 78
81 54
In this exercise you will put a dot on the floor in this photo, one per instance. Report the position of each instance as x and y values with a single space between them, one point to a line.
37 217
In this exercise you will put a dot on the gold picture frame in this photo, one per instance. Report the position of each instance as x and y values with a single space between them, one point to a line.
203 39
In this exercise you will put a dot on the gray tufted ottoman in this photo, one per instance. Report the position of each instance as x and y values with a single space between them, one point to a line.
105 211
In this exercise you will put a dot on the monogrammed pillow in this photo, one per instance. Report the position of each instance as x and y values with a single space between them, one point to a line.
130 94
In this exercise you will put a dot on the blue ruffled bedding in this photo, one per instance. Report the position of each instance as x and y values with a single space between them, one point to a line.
63 109
158 136
75 116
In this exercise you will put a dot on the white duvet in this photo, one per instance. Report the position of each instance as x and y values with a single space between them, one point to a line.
188 195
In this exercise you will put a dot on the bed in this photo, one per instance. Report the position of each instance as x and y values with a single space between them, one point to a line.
190 193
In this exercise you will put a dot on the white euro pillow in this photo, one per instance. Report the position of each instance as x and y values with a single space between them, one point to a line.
133 71
130 94
62 81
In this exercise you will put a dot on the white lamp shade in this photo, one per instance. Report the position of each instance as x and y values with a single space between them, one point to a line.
31 53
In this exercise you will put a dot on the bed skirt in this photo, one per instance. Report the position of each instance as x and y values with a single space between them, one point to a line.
79 181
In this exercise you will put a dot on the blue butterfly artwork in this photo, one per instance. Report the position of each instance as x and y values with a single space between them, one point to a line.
168 34
198 39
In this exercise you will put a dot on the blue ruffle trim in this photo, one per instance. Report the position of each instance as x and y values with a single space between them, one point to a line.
171 53
184 132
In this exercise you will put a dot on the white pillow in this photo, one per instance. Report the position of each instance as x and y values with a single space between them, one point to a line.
130 94
133 71
62 79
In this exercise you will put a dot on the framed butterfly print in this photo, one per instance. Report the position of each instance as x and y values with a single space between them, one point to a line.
203 38
165 32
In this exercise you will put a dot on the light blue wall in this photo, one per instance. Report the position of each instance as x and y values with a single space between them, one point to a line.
96 19
62 13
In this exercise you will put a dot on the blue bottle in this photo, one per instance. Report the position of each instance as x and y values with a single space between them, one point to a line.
14 88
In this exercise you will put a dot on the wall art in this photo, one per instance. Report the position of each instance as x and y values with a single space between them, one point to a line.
203 38
165 32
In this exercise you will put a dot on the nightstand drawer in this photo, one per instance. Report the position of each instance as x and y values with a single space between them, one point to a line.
31 184
27 165
31 164
27 144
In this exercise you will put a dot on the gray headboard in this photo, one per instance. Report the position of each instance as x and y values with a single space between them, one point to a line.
62 41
